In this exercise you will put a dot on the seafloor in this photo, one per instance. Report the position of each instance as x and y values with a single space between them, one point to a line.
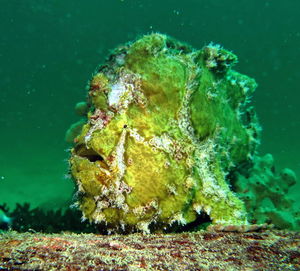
265 250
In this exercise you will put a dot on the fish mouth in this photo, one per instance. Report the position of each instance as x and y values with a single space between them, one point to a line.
90 154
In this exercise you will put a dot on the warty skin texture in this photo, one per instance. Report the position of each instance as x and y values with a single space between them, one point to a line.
166 124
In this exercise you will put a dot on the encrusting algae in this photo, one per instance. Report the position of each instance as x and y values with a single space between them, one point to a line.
165 126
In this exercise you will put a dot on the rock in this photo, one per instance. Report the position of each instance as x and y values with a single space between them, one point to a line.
264 250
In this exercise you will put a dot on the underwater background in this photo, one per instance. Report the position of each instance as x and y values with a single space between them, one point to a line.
49 50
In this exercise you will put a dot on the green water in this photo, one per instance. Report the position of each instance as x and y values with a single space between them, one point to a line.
49 49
